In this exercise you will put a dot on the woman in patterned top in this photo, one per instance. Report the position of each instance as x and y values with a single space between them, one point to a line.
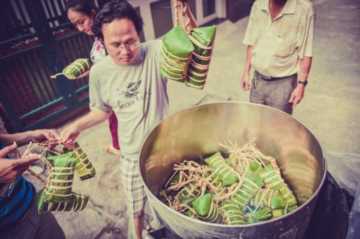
81 14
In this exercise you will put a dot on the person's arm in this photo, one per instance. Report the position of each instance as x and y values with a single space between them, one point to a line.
302 79
27 136
305 58
10 169
245 78
71 132
249 41
304 69
183 15
100 111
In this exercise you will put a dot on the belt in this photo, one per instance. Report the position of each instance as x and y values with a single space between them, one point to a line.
272 78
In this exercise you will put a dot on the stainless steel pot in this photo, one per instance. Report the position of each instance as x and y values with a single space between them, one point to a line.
198 131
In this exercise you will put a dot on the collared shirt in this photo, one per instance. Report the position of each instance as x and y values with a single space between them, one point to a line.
279 44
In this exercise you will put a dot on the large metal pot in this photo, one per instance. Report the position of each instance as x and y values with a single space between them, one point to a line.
198 131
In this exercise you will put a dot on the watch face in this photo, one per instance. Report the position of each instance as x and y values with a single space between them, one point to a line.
302 82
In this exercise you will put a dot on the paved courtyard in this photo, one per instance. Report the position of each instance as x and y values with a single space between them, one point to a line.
330 110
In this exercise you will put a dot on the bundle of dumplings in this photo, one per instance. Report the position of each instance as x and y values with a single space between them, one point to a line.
57 194
186 49
75 69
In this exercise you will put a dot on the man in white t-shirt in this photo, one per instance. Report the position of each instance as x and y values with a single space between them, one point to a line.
128 82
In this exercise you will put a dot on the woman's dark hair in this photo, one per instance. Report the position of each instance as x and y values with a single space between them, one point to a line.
114 10
86 7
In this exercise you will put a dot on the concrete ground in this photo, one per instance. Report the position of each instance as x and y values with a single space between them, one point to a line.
330 110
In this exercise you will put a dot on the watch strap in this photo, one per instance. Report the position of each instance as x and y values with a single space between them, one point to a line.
302 82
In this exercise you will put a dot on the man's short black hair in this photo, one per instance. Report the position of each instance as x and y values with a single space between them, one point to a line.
113 10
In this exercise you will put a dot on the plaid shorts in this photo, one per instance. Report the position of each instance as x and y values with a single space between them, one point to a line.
133 185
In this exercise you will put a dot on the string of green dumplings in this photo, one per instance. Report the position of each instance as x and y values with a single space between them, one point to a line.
75 69
57 194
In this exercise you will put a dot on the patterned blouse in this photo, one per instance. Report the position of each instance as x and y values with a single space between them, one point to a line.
98 51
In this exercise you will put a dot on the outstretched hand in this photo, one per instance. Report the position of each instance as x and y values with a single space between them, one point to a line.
68 135
48 134
11 168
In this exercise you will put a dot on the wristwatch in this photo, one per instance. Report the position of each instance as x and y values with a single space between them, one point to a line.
302 82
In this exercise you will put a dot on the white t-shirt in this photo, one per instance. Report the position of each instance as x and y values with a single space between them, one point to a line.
137 94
